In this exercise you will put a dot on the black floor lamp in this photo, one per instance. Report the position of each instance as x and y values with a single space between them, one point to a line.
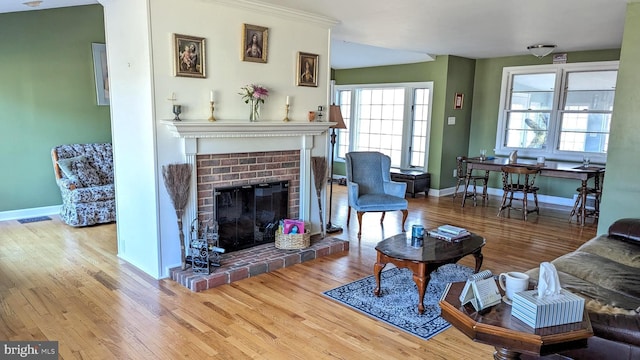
335 115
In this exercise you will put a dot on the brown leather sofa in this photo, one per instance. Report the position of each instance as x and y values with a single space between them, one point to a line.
606 272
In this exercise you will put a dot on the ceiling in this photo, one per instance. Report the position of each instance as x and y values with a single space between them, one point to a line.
381 32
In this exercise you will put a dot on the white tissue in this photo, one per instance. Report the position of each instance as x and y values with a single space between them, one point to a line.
548 282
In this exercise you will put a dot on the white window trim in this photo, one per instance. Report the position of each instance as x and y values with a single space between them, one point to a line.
406 135
552 152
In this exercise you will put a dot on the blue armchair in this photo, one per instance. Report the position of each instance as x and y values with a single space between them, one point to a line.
370 189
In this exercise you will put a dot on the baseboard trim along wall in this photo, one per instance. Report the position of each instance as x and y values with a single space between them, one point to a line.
547 199
29 213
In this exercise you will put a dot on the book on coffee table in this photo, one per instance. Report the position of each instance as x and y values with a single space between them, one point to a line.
439 234
449 233
453 230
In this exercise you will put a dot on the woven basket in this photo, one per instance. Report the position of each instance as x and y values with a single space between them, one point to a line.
293 241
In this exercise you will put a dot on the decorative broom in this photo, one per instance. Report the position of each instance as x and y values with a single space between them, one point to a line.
177 178
319 166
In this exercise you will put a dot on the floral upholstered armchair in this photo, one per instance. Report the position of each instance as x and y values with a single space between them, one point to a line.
84 174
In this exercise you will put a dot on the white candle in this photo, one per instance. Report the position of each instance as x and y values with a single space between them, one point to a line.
211 95
287 100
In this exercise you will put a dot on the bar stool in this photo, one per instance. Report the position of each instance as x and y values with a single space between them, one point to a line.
462 179
519 179
596 192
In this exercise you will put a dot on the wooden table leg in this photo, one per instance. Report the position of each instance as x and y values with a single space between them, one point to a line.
479 258
377 269
466 185
505 354
421 277
583 205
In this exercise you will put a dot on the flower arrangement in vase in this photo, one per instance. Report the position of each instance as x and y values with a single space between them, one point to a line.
255 95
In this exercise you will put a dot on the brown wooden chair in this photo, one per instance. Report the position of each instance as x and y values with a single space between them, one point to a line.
461 173
594 192
519 180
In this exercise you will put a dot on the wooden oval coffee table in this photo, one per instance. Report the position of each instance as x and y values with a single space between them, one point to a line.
424 260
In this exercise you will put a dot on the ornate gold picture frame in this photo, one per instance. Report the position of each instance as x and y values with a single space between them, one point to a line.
307 73
254 43
189 56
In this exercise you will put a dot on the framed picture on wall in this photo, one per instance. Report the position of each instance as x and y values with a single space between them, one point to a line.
101 72
254 43
458 101
189 56
307 74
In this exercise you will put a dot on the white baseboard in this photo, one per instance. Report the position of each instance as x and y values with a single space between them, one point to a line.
547 199
29 213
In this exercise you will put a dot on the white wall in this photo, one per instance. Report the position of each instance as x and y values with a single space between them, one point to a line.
139 41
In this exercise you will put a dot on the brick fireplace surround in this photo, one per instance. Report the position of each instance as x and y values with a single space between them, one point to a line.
231 154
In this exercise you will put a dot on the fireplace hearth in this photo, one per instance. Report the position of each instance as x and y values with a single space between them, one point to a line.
257 260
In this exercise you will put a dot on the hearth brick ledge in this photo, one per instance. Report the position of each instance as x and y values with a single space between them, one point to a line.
257 260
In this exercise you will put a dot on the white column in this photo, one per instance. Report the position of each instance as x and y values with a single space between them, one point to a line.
191 211
305 175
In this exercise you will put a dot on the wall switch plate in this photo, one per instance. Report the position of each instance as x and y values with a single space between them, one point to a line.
451 120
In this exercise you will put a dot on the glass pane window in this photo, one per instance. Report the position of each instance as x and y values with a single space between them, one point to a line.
419 133
590 90
582 132
381 122
561 111
532 92
342 142
393 119
588 106
527 130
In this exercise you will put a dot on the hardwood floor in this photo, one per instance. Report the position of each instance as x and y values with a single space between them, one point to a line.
66 284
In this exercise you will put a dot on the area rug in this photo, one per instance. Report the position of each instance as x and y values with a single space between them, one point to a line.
398 303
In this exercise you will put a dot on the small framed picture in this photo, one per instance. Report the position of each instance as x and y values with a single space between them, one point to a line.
254 43
458 101
307 74
101 72
189 56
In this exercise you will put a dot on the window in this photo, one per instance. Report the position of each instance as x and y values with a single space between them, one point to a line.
562 111
393 119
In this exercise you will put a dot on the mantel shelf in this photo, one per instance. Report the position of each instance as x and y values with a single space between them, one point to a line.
224 129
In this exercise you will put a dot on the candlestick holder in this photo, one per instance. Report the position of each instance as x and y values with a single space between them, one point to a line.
286 113
211 118
177 110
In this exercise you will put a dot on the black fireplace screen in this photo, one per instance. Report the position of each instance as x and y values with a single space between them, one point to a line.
248 215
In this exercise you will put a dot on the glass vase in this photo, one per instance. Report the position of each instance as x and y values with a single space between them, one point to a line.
254 114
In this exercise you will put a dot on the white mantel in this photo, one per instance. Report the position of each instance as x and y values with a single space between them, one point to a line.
222 129
225 137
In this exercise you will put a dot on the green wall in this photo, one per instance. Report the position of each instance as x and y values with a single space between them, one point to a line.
47 98
459 80
621 193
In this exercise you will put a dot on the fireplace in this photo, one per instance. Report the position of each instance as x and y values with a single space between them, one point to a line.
248 215
228 154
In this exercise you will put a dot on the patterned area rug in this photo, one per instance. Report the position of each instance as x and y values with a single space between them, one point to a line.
398 303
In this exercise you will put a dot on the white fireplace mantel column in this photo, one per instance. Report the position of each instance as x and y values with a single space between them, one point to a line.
219 137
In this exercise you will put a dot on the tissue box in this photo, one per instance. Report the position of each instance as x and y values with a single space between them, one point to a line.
564 308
